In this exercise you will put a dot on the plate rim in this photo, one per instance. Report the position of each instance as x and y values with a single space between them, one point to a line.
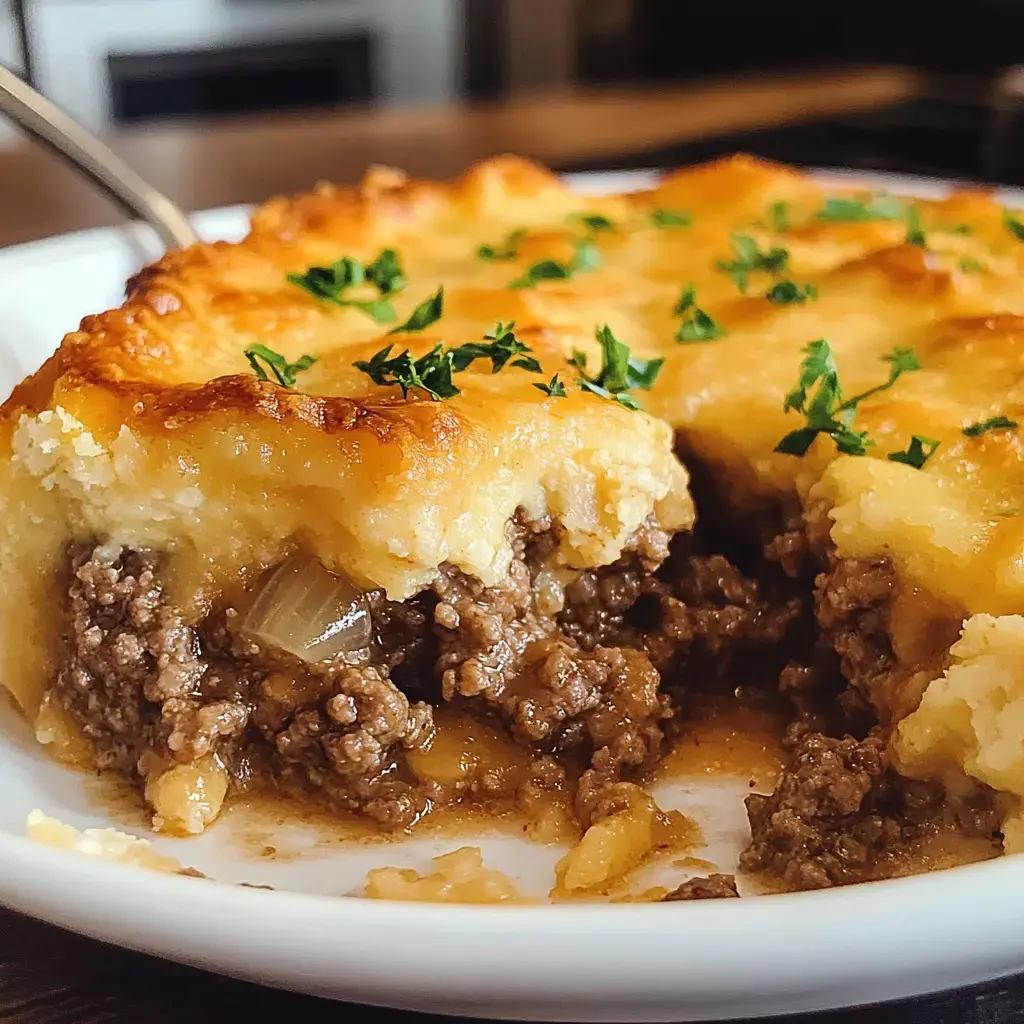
161 907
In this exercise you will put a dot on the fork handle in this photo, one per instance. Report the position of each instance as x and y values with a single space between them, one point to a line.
41 119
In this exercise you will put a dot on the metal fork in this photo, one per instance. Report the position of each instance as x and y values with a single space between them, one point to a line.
41 119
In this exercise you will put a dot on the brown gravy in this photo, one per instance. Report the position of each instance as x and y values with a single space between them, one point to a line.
726 738
723 738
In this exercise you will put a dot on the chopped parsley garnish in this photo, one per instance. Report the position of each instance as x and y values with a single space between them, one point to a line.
593 221
670 219
853 208
508 250
380 310
825 411
431 373
915 233
918 452
328 283
748 259
969 265
778 216
959 229
787 292
331 284
385 272
502 346
1013 224
620 373
426 313
545 270
992 423
553 389
283 371
586 257
696 326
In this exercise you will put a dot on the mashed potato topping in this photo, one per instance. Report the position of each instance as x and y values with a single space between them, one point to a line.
458 877
102 843
972 718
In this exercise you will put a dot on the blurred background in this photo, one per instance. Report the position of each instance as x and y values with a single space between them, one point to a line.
232 100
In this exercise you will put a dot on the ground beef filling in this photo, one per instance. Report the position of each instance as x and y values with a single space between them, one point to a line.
499 653
699 615
852 654
127 655
840 811
151 690
589 675
838 806
579 674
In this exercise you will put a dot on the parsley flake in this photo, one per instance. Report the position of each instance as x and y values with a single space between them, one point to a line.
969 265
670 219
545 270
327 283
283 371
502 347
593 221
778 217
786 293
697 325
508 250
620 373
918 452
386 273
431 373
915 233
330 284
825 411
748 259
1013 224
586 257
855 209
553 389
426 313
379 310
992 423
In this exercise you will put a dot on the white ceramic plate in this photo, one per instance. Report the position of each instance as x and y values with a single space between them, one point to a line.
683 961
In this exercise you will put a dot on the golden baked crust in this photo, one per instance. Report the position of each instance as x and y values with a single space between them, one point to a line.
149 427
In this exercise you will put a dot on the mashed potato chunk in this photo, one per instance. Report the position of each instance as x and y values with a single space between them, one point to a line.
972 717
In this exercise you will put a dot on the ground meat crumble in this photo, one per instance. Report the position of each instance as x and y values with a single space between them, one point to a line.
708 887
128 653
837 807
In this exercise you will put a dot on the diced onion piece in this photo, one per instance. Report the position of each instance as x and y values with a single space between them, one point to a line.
309 612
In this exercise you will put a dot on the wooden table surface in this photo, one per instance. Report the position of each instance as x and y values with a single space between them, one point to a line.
217 163
50 976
